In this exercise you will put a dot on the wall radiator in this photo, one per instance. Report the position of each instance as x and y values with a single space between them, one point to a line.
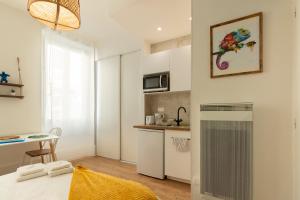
226 151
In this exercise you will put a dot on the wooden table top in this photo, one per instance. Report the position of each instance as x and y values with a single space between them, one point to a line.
158 127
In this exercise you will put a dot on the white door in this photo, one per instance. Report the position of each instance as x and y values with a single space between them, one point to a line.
131 104
108 108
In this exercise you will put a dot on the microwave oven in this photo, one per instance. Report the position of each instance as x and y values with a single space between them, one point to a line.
158 82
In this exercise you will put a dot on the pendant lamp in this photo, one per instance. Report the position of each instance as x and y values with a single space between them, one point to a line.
57 14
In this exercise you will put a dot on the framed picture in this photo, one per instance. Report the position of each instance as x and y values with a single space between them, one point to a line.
237 46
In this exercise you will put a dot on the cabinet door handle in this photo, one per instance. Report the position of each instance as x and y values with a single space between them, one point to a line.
181 138
160 81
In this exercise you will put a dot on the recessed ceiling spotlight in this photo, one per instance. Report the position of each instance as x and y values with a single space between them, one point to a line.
159 29
190 18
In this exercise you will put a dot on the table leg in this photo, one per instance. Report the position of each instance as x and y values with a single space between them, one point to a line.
52 151
41 147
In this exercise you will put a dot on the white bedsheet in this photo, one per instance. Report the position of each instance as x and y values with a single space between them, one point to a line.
43 188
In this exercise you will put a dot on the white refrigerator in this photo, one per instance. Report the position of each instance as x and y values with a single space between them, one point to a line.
150 160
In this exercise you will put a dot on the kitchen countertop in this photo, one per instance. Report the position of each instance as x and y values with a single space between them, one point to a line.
158 127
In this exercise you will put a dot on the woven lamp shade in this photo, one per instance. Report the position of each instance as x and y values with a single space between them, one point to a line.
57 14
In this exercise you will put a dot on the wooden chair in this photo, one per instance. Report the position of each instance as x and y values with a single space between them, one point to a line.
42 151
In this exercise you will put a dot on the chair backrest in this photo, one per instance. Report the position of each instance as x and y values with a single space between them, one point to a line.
56 131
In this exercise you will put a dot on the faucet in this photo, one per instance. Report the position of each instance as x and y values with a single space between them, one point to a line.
178 120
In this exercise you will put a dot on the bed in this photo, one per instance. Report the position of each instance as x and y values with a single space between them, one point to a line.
43 188
59 187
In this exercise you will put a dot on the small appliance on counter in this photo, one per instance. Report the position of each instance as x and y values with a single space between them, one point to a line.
150 120
159 118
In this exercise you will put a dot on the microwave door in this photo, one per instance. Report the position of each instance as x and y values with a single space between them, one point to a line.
152 82
164 81
156 82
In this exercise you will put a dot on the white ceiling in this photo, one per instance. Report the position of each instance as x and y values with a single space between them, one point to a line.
143 17
105 20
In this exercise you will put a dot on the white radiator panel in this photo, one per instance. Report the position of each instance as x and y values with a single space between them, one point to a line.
226 115
226 151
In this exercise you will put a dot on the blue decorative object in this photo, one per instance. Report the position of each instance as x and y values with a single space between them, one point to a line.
12 141
4 77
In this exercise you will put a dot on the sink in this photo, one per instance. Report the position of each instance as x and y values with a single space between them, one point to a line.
181 126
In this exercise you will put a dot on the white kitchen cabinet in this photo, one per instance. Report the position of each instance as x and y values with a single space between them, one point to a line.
177 164
155 63
180 69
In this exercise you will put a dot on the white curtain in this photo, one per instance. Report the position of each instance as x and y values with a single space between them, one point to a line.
68 94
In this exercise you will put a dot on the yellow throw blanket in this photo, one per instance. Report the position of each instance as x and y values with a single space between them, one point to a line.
90 185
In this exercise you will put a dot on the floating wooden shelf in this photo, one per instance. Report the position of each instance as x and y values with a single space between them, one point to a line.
11 84
11 96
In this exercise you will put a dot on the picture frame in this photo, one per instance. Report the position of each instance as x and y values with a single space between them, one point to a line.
236 46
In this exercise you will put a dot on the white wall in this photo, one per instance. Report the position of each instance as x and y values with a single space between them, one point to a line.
19 36
296 103
270 91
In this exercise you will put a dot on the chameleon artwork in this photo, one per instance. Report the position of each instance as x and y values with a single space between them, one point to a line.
233 42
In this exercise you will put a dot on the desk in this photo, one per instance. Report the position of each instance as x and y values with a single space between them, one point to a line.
49 138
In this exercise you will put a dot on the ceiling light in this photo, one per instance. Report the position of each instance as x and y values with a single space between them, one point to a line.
57 14
159 28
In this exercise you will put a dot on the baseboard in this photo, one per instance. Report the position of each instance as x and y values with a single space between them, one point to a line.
179 179
128 162
208 197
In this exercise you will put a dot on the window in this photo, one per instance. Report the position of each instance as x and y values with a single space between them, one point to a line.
68 94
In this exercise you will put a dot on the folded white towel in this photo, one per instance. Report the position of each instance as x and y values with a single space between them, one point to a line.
60 171
32 176
30 169
58 165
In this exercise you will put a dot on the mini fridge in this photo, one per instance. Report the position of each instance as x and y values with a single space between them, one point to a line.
150 160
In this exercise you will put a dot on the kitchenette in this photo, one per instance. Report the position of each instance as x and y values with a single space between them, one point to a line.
164 139
143 109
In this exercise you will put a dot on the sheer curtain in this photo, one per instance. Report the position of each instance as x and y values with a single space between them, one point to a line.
68 94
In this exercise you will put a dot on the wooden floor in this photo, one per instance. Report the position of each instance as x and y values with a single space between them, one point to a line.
164 189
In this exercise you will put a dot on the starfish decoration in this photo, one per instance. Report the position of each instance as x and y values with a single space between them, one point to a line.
4 77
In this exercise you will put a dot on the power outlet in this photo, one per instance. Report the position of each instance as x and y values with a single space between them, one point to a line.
161 109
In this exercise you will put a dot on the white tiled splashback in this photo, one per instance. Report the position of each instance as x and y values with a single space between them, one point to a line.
169 101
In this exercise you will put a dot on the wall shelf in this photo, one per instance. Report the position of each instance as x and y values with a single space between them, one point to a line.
11 96
11 84
20 93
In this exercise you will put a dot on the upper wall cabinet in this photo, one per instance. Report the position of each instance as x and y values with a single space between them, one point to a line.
158 62
180 69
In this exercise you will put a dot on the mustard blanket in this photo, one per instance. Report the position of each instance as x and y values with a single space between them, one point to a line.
90 185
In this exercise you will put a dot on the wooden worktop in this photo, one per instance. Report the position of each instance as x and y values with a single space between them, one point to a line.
157 127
